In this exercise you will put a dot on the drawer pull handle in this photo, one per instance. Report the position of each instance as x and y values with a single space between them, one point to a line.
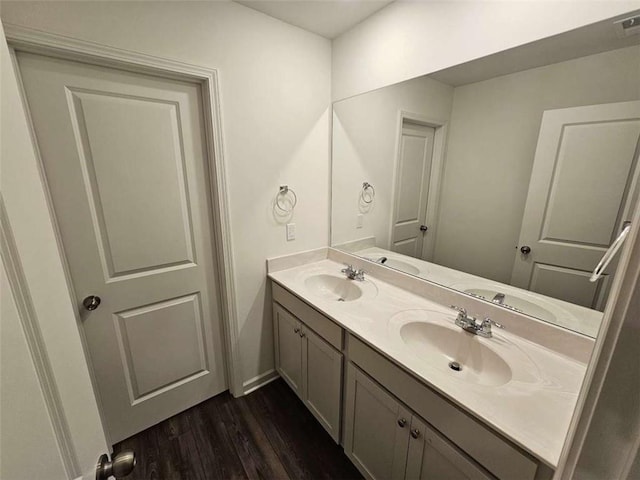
402 422
415 433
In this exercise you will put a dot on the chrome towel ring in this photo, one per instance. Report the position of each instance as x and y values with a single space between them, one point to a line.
368 193
286 195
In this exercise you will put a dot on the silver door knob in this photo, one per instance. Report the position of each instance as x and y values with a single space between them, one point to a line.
526 249
423 228
120 465
91 302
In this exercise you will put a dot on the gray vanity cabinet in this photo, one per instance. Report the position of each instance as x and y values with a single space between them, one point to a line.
311 366
385 440
288 347
431 456
322 381
376 428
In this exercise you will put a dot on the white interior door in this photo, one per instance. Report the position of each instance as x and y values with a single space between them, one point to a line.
413 174
126 167
583 184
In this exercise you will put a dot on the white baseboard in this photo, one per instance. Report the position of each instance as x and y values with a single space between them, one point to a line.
259 381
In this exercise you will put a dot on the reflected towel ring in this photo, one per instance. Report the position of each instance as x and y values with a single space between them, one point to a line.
283 195
368 193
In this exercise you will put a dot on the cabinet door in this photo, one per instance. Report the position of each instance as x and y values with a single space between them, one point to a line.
321 380
432 457
288 348
376 428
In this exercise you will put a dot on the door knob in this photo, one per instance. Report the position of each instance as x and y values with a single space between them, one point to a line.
423 228
402 422
91 302
120 465
415 433
526 249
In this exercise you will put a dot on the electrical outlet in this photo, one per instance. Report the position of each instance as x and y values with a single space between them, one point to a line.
291 231
359 220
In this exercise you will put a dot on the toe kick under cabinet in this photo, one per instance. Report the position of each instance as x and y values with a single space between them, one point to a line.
391 424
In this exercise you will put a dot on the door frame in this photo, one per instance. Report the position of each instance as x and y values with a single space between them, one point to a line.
34 41
437 164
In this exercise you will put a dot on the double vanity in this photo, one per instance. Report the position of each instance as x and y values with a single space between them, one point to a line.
384 364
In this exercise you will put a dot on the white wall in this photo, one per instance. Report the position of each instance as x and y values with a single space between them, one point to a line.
365 130
275 94
408 39
491 147
31 452
37 252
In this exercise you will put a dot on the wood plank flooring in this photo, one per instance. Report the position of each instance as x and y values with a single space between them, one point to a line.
268 434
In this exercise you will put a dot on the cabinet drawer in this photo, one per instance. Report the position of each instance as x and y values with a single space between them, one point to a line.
317 322
496 454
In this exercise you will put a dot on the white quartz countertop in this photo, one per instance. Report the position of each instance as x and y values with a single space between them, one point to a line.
533 409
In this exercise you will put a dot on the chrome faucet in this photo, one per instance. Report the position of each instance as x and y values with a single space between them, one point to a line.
353 273
471 324
498 298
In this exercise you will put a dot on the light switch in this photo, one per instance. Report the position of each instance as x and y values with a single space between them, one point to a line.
359 220
291 231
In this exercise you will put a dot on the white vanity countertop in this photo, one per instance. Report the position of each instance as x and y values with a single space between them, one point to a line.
533 410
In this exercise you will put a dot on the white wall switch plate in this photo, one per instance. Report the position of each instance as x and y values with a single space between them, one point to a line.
291 231
359 220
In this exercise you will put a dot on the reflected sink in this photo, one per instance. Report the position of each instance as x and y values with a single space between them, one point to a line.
402 266
442 345
516 301
333 287
397 265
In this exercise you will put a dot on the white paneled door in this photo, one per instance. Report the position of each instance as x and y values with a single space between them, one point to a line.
126 165
583 186
412 189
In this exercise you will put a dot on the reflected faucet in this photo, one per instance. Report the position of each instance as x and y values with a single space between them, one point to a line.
381 260
498 298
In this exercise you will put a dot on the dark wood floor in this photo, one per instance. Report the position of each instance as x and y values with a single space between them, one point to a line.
267 434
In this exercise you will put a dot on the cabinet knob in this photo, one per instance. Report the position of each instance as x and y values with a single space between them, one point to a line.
415 433
296 330
302 335
402 422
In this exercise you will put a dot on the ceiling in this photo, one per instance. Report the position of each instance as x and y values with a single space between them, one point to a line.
329 18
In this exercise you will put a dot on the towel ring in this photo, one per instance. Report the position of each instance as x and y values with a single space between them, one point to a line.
282 195
368 193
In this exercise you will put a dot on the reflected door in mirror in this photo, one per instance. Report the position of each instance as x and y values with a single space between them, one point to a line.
583 185
412 188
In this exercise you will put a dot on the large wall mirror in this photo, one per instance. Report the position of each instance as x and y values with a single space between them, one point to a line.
506 178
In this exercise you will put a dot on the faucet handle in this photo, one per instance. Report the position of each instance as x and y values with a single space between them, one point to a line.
487 323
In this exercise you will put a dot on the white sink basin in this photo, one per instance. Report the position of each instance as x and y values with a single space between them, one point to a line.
442 345
433 337
333 287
